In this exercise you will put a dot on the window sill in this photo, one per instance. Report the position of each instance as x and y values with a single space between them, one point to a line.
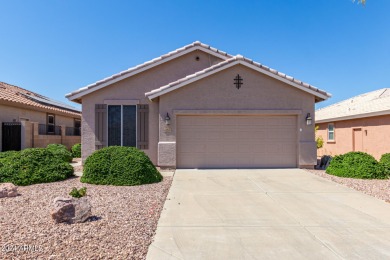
331 142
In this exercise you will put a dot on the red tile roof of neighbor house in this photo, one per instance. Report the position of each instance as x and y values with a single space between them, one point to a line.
22 96
369 104
227 58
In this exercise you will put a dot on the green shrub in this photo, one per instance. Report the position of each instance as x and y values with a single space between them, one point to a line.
385 162
117 165
60 150
8 153
75 193
356 165
34 165
6 161
76 151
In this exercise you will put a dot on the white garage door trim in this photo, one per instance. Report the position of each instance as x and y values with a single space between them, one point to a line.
201 140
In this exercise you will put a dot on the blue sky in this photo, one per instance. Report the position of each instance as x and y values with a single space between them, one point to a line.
55 47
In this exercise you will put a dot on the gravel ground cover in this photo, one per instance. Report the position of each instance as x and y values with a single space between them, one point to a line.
124 222
377 188
77 164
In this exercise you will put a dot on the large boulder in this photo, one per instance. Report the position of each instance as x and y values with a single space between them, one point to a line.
71 210
8 190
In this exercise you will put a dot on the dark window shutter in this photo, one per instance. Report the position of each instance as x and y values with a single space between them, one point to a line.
100 126
143 127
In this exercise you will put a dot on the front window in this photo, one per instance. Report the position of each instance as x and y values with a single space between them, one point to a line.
122 125
330 132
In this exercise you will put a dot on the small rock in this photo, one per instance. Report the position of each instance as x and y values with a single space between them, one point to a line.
8 190
71 210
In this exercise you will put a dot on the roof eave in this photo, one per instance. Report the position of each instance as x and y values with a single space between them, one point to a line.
319 96
78 94
351 117
63 112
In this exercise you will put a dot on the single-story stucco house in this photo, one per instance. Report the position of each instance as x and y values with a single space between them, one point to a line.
199 107
361 123
29 119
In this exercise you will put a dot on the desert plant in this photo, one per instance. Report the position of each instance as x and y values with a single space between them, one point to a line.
385 162
33 165
75 193
60 151
116 165
319 139
356 165
76 151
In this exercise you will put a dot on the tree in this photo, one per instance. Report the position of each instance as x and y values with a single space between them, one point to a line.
363 2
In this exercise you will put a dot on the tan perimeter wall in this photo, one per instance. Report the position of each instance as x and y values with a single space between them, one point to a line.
41 141
375 136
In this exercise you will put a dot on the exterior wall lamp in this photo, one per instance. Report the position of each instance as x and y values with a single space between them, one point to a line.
308 119
167 119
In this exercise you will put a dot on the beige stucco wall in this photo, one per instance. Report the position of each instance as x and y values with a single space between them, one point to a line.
10 113
134 88
259 92
376 137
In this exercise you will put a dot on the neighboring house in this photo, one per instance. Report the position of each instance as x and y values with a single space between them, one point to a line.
361 123
32 120
199 107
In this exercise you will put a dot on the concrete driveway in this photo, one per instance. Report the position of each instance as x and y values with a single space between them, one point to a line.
268 214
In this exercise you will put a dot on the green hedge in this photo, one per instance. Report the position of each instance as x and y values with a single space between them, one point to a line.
356 165
76 151
60 150
33 165
385 162
7 154
119 166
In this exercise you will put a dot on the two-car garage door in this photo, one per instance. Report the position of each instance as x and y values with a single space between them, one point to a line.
236 141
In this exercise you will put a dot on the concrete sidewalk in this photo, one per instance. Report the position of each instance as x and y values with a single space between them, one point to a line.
268 214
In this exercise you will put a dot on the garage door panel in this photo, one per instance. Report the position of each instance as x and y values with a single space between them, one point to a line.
236 141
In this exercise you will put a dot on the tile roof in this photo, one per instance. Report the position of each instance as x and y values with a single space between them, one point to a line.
239 59
19 95
147 64
369 104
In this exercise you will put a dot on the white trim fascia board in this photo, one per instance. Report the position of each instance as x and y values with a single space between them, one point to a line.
313 92
129 102
238 112
372 114
74 96
217 54
196 78
151 96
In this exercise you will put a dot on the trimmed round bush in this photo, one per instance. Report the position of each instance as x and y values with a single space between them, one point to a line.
385 162
121 166
76 151
8 153
60 150
356 165
6 159
33 165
